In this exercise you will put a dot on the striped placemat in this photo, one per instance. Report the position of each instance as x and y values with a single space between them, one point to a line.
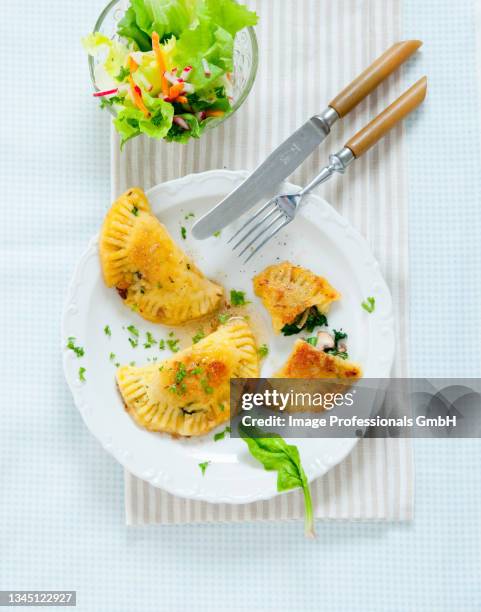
309 49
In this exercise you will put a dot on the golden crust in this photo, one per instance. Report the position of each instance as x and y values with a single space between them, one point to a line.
151 273
306 361
189 394
287 291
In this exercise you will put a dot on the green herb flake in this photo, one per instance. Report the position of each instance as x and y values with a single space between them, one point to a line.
203 466
132 364
173 345
189 216
183 233
112 357
107 331
78 350
369 305
135 211
238 298
223 318
275 454
134 343
133 330
263 351
81 374
312 341
150 340
123 74
206 387
217 234
198 336
221 435
162 345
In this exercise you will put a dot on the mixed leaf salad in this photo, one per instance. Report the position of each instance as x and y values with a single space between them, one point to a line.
169 72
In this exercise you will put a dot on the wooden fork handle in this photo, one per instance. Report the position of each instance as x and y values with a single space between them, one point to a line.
379 70
380 126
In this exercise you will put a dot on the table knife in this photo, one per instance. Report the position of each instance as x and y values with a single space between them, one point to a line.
282 162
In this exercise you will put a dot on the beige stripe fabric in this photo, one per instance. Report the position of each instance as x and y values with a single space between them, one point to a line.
309 49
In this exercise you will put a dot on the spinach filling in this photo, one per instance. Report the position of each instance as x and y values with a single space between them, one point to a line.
313 319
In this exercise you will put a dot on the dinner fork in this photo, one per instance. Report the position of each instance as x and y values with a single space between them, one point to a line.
281 210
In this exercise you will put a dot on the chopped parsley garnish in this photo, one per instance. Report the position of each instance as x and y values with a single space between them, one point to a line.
132 364
78 350
221 434
173 345
107 331
189 216
312 341
81 374
221 407
112 356
223 318
179 385
123 74
217 234
150 340
198 336
336 353
263 351
369 305
238 298
206 387
134 343
314 319
133 330
196 371
135 211
162 345
183 232
203 466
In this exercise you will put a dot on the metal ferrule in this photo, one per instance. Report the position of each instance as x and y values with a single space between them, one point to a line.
327 118
341 160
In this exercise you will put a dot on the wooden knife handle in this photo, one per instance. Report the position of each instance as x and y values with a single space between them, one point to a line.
384 122
379 70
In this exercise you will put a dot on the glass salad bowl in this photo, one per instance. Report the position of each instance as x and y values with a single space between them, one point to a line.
246 58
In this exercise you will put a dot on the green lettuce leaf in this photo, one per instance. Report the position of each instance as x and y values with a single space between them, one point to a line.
160 122
128 28
131 122
229 15
127 123
177 134
166 17
97 43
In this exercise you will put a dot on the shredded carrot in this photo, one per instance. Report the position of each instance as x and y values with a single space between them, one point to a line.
137 96
214 113
176 90
182 100
132 64
161 62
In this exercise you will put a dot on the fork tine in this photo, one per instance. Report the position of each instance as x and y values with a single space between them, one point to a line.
250 220
259 224
267 238
262 231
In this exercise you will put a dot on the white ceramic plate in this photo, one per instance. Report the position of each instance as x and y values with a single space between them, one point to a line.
321 240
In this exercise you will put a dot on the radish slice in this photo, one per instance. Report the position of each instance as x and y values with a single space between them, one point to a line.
108 92
170 77
206 67
188 88
181 122
186 73
201 116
